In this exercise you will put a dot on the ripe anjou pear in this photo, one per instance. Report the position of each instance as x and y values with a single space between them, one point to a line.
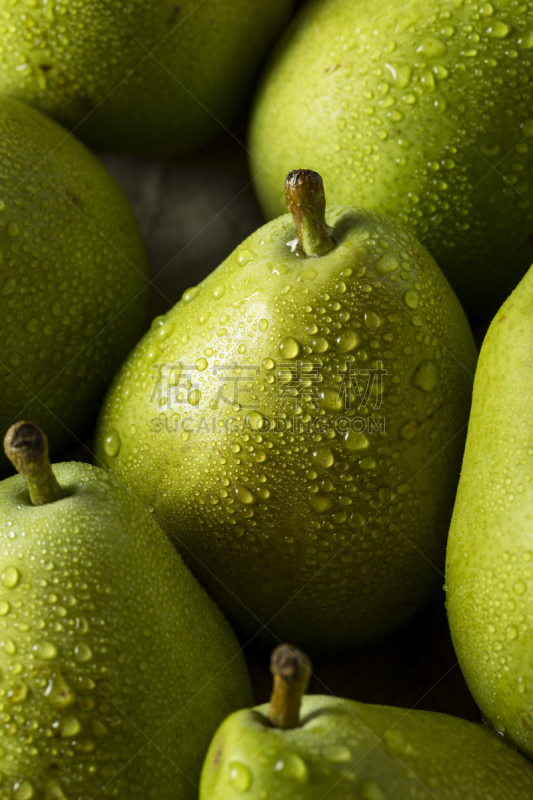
420 111
116 667
489 564
297 423
155 77
317 746
73 276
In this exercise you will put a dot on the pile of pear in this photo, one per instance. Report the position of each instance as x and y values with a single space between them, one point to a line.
279 454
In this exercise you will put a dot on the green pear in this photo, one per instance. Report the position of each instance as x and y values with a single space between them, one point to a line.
145 77
420 111
73 277
297 422
489 563
116 667
319 746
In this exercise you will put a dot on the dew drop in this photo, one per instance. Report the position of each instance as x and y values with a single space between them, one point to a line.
245 256
256 420
59 692
289 347
425 377
292 766
520 587
240 776
347 341
83 652
432 47
411 299
372 320
498 29
323 458
331 399
218 292
189 295
70 726
201 364
244 495
46 650
355 441
386 263
112 443
165 331
10 577
193 398
24 791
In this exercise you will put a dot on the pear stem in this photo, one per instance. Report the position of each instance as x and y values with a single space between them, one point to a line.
26 446
306 201
291 669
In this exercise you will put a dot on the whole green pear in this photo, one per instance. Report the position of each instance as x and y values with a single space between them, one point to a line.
116 667
489 563
297 423
420 111
146 77
73 276
344 750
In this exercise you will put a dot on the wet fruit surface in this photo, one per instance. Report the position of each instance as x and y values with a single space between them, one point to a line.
73 276
108 685
298 428
351 751
489 570
424 114
159 79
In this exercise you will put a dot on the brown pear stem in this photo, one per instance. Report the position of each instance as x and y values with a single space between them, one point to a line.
306 201
26 446
291 669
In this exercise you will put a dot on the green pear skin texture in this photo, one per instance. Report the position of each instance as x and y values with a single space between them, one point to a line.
419 111
330 525
489 563
155 78
116 666
345 750
73 277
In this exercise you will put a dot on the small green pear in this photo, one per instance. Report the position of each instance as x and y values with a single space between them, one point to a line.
73 277
489 563
156 78
116 667
319 746
297 424
418 110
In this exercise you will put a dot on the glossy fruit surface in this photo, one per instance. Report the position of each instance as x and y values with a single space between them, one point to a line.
73 276
158 78
419 111
297 424
350 751
110 685
489 572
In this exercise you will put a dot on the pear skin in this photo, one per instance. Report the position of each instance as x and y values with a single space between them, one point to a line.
297 424
489 562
